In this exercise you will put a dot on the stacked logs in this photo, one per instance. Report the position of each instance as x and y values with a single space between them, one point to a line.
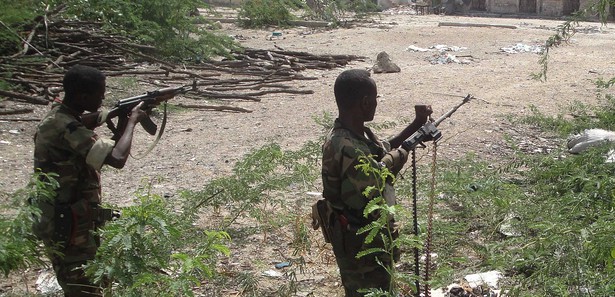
51 47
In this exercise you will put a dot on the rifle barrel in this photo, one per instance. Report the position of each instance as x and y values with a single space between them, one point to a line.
453 110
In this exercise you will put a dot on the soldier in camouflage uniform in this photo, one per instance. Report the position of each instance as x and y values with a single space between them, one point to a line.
66 144
343 185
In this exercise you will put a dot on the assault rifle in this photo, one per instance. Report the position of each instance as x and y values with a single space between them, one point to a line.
151 99
429 132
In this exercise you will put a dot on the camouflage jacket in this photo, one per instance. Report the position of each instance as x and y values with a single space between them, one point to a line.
64 146
343 184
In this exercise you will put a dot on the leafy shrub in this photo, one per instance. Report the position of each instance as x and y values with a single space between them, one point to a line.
164 24
265 13
336 11
15 17
154 250
19 248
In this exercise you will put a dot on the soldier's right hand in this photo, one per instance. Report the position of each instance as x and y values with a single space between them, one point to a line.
423 112
137 113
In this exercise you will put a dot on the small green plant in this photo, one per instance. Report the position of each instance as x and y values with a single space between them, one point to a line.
170 26
154 250
266 13
15 17
336 11
380 233
19 248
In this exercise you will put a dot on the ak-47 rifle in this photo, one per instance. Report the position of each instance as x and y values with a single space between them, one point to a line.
429 132
151 99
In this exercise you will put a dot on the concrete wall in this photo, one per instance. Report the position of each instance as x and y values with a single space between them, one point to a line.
551 7
502 6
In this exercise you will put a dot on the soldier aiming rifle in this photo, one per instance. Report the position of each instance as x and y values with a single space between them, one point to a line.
65 143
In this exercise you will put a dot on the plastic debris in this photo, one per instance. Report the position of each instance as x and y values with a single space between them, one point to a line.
413 48
282 265
272 273
489 278
446 48
523 48
437 47
47 283
446 58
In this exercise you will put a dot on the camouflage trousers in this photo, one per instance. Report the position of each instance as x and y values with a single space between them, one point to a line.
70 242
361 273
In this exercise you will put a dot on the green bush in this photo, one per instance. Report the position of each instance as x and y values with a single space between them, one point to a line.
19 248
265 13
335 11
154 250
166 25
16 17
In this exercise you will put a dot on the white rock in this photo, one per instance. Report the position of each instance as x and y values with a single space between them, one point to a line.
489 278
47 283
272 273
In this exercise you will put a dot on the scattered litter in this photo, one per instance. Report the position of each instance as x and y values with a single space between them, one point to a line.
4 142
446 48
14 132
446 58
437 47
318 194
414 48
272 273
578 143
489 278
464 290
523 48
442 56
275 35
47 284
282 265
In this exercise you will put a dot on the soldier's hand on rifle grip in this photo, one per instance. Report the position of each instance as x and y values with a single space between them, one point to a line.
423 113
137 113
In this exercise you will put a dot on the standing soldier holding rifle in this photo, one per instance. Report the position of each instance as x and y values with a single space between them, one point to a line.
66 144
341 213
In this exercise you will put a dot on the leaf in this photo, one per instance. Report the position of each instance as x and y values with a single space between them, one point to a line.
369 251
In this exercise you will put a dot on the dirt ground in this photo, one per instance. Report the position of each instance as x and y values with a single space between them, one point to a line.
199 146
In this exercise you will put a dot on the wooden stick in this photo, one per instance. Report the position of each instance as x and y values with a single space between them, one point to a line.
24 98
217 108
16 111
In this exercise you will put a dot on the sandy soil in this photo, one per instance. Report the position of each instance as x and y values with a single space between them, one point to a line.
199 146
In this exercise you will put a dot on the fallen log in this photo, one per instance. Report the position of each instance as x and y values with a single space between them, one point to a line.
16 111
23 98
216 108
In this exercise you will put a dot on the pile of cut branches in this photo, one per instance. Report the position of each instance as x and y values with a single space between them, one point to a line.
51 46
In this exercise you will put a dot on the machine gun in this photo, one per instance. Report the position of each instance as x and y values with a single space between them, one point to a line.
429 131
